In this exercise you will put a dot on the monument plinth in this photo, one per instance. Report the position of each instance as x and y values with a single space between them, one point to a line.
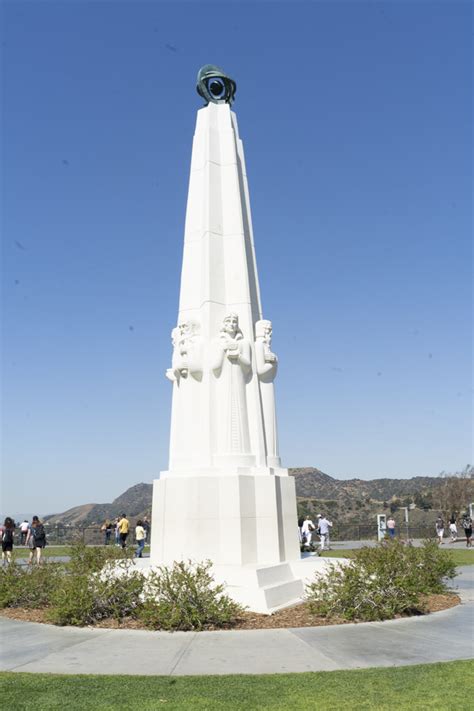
225 496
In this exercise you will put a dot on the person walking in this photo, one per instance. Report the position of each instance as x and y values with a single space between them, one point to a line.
106 529
467 525
147 528
307 531
453 530
8 530
439 525
391 527
36 540
140 538
124 527
24 531
323 528
300 532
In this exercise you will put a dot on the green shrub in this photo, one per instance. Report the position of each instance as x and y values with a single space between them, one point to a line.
87 597
29 586
122 596
381 582
73 602
433 566
92 559
185 597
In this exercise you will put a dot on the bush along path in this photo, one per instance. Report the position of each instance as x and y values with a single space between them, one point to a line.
100 586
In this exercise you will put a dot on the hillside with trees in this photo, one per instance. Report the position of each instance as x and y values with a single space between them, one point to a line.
347 501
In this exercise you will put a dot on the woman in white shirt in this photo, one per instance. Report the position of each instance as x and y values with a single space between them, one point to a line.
140 539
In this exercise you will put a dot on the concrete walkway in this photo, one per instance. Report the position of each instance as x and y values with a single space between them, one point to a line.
443 636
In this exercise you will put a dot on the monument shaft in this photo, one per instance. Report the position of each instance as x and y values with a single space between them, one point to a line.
225 496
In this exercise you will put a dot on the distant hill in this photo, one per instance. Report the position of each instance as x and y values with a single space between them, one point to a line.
314 483
344 499
135 502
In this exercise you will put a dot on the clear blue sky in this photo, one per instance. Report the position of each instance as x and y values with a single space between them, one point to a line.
356 121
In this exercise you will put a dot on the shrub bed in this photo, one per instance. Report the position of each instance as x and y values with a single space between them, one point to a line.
382 582
101 583
185 597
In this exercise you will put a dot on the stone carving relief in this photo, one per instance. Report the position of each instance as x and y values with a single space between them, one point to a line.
231 364
187 352
267 365
186 375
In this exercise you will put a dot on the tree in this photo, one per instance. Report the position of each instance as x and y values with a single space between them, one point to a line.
455 493
423 500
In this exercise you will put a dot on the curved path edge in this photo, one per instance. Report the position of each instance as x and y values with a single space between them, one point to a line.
442 636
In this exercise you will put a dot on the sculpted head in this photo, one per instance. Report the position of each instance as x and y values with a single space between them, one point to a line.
263 329
231 325
175 335
188 328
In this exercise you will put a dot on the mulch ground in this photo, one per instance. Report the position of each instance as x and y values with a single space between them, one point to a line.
297 616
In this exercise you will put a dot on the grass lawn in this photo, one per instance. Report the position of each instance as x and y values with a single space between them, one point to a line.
427 686
22 552
462 556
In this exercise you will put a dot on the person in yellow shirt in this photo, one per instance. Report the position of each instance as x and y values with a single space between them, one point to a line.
124 527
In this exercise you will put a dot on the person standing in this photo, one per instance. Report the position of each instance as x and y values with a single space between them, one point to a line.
36 540
391 527
439 525
324 526
467 525
8 530
140 539
106 529
307 531
124 528
147 527
453 530
24 531
117 530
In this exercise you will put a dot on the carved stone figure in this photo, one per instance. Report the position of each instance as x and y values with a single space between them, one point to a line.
186 375
232 366
187 352
173 372
267 365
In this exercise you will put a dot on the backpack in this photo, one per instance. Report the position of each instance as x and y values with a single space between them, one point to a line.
38 532
7 535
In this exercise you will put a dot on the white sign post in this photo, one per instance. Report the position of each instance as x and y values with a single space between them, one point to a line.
381 526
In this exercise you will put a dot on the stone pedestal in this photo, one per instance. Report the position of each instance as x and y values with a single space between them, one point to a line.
245 524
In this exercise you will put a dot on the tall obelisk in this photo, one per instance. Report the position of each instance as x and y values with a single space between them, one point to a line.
225 496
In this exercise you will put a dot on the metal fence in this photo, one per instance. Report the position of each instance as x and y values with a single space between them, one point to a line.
368 532
60 534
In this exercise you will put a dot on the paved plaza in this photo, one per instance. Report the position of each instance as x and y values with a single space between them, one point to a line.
443 636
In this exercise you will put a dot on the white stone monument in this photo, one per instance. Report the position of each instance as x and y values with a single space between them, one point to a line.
225 496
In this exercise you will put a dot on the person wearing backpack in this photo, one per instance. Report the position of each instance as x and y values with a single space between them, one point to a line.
7 529
467 525
36 540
